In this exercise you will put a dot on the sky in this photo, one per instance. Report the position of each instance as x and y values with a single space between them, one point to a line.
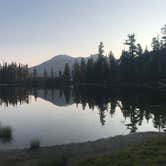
32 31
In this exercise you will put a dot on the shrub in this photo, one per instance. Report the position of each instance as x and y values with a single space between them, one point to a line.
5 134
35 144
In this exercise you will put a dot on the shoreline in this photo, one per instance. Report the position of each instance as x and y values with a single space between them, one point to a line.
75 151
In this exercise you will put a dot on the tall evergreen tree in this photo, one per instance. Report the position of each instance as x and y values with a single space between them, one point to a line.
101 50
90 70
45 74
52 73
76 72
67 73
155 44
99 66
132 46
113 66
163 30
139 50
34 73
83 70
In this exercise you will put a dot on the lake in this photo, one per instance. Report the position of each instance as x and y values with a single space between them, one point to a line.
61 116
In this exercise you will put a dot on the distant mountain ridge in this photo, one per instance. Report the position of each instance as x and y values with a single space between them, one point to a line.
56 63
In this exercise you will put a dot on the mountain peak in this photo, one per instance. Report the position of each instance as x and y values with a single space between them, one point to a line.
56 63
62 56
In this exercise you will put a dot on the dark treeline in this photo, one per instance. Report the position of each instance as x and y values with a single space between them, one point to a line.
13 73
135 67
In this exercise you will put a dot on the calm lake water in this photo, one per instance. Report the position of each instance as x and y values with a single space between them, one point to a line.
61 116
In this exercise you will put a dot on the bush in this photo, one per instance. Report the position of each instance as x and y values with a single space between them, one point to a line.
35 144
5 134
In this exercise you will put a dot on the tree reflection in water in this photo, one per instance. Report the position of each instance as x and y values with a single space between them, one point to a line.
135 105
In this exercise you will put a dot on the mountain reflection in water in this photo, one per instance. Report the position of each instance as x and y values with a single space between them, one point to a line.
134 104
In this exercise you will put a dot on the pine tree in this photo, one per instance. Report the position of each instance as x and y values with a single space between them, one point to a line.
90 70
34 73
52 73
67 73
82 70
76 72
45 74
155 44
113 66
139 50
163 31
131 43
99 65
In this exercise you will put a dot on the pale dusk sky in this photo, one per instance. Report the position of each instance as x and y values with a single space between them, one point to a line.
32 31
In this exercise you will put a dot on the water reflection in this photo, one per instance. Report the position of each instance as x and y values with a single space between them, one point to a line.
13 96
135 105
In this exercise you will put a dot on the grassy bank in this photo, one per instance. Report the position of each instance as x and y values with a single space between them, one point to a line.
147 148
150 153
